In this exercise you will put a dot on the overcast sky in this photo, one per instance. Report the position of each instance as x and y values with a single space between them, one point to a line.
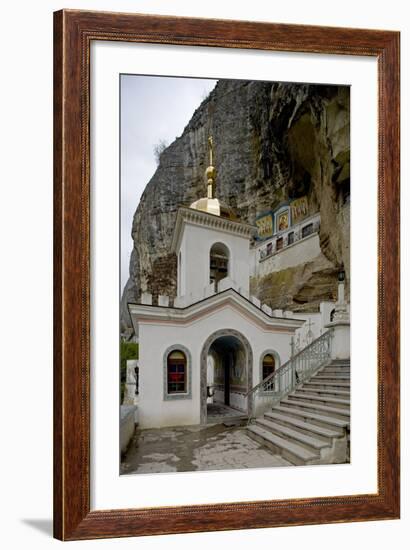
153 108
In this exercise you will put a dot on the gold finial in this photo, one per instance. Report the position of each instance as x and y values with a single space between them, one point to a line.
208 203
211 146
210 171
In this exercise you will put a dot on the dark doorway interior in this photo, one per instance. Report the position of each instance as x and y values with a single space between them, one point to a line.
228 379
226 366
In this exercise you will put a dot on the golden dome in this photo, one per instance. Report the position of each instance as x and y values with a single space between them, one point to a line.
210 173
215 207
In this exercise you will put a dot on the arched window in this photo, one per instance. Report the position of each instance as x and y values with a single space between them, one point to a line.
218 263
268 365
176 372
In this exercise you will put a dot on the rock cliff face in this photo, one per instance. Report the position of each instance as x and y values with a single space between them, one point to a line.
273 142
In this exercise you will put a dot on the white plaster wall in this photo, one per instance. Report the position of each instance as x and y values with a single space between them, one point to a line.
316 326
195 246
210 375
155 339
325 311
298 253
127 425
341 341
319 320
154 410
238 401
253 261
181 274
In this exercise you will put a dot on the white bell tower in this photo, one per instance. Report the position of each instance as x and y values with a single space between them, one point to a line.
213 250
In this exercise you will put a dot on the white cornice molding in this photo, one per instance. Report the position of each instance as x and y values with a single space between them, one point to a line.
197 217
149 313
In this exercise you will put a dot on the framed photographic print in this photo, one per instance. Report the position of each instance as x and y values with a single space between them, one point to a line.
226 275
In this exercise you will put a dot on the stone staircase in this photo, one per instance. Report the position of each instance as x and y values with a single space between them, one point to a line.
312 424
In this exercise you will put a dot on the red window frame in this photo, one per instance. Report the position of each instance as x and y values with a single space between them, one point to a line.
176 374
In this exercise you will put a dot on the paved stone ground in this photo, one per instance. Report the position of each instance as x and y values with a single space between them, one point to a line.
186 449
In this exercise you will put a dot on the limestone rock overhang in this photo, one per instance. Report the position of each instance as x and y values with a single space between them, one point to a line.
205 219
230 298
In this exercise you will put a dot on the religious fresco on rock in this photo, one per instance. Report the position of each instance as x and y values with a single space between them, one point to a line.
299 209
264 224
283 221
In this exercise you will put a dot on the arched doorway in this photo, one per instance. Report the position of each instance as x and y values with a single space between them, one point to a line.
230 354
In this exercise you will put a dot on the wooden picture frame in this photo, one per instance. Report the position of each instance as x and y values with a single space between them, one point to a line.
74 32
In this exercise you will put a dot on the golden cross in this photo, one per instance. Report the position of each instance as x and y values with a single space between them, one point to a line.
211 147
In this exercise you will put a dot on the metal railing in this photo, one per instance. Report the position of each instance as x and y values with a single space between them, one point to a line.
294 372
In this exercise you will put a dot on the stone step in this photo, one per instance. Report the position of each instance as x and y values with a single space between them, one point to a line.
315 417
335 401
336 373
335 370
304 439
345 384
296 454
336 377
340 362
337 412
326 385
342 394
307 427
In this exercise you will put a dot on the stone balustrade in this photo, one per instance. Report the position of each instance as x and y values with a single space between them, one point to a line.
163 300
146 298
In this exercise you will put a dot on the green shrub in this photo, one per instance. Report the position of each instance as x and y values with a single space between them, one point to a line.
128 350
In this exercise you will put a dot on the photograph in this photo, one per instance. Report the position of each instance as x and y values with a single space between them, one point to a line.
234 325
205 264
